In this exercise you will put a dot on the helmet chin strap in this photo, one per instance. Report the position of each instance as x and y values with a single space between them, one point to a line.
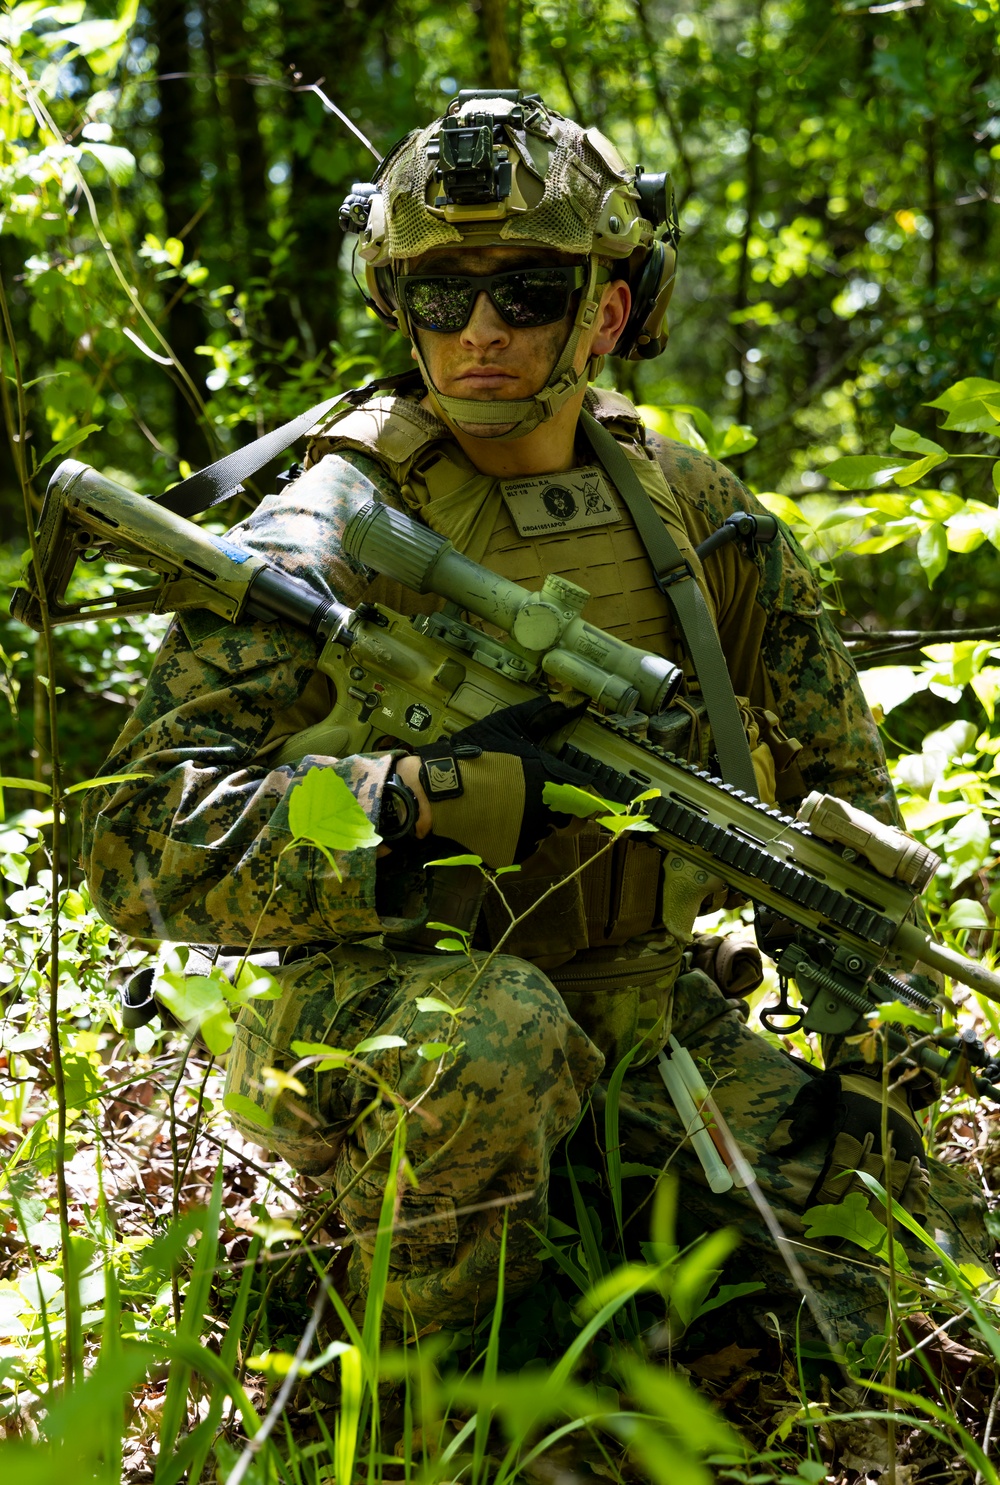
520 416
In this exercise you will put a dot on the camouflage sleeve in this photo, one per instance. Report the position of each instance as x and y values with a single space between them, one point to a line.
196 846
781 646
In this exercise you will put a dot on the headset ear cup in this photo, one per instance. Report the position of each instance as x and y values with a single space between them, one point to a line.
381 297
645 333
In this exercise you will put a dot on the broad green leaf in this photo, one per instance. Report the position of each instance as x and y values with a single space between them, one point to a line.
274 1364
699 418
379 1044
254 983
966 846
190 996
698 1271
15 867
978 415
902 1013
987 687
888 686
464 860
842 513
620 824
996 476
965 533
894 533
83 1080
969 387
897 507
430 1050
966 913
737 438
117 161
451 946
937 505
728 1292
69 442
569 800
635 1168
317 1049
785 509
100 40
932 551
922 814
322 809
913 443
863 471
35 784
238 1103
430 1004
849 1219
918 469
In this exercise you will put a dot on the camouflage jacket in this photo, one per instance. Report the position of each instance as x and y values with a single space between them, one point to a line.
197 847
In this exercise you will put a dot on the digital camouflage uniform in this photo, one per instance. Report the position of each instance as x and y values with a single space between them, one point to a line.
198 853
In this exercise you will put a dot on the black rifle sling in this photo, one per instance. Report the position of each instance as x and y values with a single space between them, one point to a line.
676 582
214 484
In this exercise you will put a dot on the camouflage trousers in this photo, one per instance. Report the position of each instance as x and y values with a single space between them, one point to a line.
485 1125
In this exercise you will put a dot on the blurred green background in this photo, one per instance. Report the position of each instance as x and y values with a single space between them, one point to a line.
169 183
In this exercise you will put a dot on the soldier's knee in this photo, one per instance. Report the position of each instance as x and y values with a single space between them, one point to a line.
517 1019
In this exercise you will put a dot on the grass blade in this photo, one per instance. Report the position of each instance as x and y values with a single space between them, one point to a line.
189 1329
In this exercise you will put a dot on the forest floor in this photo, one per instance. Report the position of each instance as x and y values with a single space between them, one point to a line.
154 1169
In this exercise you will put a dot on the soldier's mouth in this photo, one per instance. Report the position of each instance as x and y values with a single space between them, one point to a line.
486 378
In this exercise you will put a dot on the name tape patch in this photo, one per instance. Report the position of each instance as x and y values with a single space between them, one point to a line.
571 501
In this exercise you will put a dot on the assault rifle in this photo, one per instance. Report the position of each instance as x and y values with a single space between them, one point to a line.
843 883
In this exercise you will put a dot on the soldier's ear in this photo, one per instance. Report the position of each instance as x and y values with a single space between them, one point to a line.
616 301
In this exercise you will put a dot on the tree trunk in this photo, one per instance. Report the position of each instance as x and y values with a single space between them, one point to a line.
183 195
320 42
236 51
493 16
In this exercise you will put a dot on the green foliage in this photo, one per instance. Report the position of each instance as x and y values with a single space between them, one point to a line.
323 811
166 203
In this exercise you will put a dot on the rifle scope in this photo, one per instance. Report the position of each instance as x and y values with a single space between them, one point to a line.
544 627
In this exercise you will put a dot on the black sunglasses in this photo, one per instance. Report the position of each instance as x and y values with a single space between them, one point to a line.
522 297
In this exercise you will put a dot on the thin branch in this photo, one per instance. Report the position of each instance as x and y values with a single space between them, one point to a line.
18 449
868 650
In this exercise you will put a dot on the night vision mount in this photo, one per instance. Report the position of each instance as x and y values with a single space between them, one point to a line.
473 156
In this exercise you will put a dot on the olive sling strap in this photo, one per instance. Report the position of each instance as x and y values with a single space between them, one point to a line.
676 582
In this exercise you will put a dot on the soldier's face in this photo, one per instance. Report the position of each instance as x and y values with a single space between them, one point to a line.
490 359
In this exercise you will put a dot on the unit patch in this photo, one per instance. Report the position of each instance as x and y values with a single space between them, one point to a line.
560 502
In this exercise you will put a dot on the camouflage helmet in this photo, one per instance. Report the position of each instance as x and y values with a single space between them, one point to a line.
502 169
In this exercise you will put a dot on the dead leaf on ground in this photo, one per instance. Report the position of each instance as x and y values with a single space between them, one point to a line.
721 1365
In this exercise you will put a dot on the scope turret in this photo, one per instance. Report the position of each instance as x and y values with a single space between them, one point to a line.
546 627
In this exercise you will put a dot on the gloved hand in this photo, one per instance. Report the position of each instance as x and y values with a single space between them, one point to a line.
485 782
